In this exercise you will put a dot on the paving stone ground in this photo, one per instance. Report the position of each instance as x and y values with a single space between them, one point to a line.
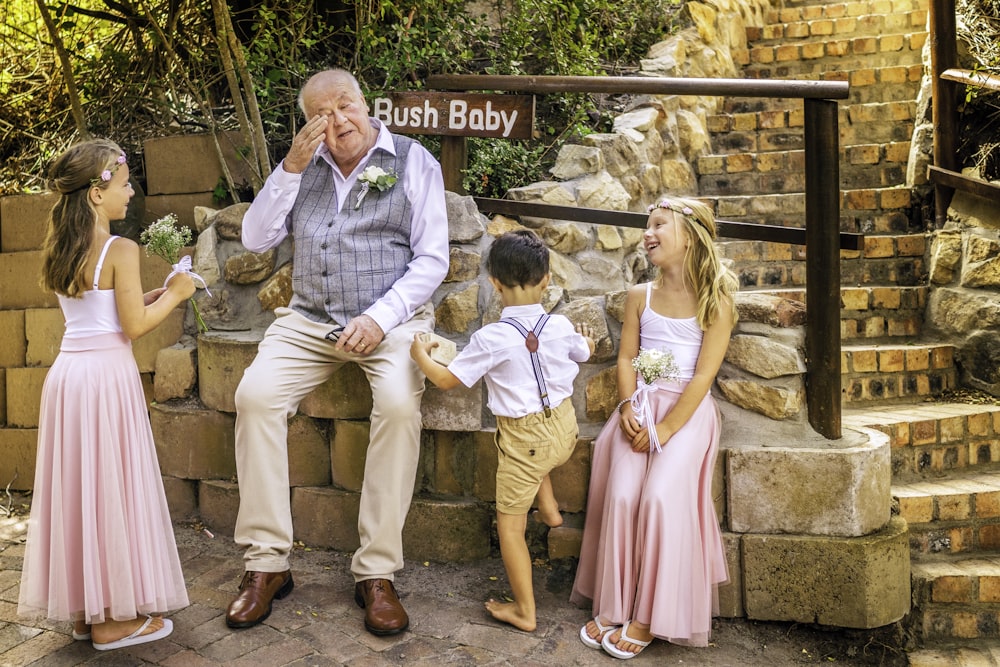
320 625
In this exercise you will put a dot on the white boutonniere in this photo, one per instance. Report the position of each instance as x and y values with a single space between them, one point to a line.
374 177
654 365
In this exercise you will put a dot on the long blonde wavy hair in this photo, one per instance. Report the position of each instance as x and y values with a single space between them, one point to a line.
73 218
713 282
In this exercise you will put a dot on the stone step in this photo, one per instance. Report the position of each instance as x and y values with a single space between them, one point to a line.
932 438
957 598
860 166
885 261
867 210
778 129
791 11
893 373
793 59
783 25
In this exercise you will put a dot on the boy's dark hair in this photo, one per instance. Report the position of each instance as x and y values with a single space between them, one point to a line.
518 258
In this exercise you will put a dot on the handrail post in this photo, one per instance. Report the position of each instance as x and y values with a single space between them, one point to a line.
822 156
944 105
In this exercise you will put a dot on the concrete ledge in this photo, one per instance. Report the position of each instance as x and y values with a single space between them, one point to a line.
837 491
854 582
218 505
17 465
447 530
182 498
222 358
192 442
23 220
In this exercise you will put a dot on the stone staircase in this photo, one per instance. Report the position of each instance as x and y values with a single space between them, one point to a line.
946 477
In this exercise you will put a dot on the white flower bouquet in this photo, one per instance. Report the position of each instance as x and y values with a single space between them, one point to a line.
374 177
655 365
164 239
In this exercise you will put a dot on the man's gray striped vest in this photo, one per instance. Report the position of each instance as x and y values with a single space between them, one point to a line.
344 262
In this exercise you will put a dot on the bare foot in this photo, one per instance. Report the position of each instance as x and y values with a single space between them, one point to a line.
81 628
550 516
508 613
112 631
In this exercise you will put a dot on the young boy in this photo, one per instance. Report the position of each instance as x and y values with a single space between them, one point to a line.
530 396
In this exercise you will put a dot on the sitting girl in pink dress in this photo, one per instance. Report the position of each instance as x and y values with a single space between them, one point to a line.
652 554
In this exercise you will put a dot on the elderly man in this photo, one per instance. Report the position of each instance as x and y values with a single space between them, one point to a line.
366 209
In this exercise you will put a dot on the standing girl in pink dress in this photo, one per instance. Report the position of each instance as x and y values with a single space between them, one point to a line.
652 554
100 549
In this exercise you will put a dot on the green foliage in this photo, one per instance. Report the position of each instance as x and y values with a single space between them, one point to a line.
138 78
497 165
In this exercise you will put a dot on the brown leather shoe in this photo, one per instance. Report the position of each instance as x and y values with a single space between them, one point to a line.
257 590
384 615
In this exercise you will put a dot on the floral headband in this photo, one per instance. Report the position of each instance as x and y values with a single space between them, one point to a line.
108 173
686 211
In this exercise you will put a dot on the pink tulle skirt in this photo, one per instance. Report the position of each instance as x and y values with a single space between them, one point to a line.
652 549
100 542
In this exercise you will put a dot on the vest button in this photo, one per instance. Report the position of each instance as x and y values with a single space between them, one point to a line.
323 246
324 274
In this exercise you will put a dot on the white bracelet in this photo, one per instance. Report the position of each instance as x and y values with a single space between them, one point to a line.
618 408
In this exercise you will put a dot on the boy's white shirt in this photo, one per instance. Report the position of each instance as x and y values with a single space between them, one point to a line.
497 353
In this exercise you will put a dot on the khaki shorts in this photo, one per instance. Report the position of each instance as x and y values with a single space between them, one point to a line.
528 448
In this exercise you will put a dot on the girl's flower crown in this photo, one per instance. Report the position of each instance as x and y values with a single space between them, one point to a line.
686 211
108 173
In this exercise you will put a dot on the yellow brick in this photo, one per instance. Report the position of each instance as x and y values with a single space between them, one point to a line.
862 77
954 508
863 45
890 361
964 625
854 298
744 122
916 509
924 432
865 154
989 589
864 361
952 429
942 357
913 245
979 424
786 53
952 589
740 163
917 359
885 297
772 120
895 198
898 152
988 504
878 246
762 55
890 43
812 50
776 252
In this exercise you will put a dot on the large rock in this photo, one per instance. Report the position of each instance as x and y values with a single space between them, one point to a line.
848 582
839 491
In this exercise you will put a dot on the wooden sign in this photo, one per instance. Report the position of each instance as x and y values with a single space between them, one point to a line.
457 114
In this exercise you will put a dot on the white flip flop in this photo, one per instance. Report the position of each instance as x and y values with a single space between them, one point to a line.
137 637
81 636
610 648
603 629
